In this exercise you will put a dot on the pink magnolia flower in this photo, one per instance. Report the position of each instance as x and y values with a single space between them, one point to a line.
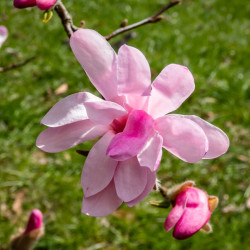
121 165
3 34
41 4
35 221
191 212
33 232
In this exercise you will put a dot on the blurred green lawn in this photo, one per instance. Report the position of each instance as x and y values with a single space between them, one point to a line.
210 37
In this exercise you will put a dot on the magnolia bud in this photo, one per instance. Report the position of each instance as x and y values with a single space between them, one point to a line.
32 233
191 212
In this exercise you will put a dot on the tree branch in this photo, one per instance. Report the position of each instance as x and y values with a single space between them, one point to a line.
66 18
152 19
16 65
70 28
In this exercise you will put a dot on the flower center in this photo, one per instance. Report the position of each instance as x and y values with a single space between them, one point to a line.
119 124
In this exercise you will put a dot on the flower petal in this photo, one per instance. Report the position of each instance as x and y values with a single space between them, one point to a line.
130 179
151 178
99 168
217 139
170 89
104 112
134 136
195 216
182 137
150 155
45 4
133 72
58 139
3 34
97 58
69 110
103 203
136 102
176 212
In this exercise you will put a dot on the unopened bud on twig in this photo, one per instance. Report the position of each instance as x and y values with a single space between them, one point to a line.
82 24
33 232
124 23
157 19
192 208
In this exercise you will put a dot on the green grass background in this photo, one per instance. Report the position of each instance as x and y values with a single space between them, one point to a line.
210 37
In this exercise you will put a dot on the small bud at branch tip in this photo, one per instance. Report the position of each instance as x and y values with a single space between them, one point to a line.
124 23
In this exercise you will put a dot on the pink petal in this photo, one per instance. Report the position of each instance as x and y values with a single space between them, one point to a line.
20 4
136 102
136 133
99 168
195 216
97 58
104 112
217 140
35 221
69 110
103 203
45 4
133 72
151 178
150 155
182 137
3 34
58 139
130 179
176 212
170 89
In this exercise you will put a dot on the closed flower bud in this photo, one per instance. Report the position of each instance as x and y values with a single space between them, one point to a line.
32 233
41 4
191 212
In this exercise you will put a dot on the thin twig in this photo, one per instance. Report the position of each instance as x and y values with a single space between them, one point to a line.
66 18
16 65
70 28
163 192
152 19
82 152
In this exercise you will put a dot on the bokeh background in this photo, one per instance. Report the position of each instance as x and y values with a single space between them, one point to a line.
210 37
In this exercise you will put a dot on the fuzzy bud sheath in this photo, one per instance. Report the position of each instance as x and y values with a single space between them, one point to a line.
192 208
32 233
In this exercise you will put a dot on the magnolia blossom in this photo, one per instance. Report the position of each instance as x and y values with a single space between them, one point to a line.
3 34
41 4
191 212
121 165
